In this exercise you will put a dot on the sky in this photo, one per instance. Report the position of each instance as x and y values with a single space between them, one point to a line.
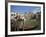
23 9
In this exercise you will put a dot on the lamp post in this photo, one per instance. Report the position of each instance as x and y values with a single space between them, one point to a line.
23 23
